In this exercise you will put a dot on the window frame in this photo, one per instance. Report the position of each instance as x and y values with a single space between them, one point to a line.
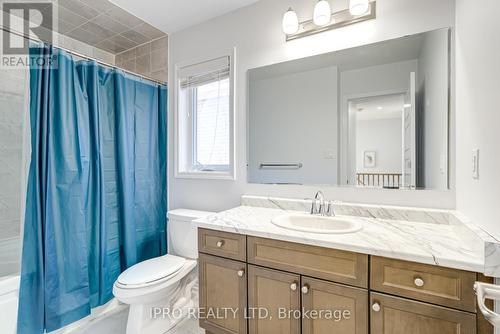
188 153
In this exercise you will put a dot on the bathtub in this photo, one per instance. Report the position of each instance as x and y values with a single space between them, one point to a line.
9 297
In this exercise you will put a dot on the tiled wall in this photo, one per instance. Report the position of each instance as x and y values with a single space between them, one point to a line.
149 59
99 23
66 42
13 105
86 50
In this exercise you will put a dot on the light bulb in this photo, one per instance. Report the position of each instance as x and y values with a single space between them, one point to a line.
290 22
322 13
358 7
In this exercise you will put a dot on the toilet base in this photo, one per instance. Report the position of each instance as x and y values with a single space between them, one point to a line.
161 316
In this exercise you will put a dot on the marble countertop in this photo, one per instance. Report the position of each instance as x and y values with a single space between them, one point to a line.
424 242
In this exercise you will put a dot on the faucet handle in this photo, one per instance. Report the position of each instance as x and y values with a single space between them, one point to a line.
323 208
315 206
329 210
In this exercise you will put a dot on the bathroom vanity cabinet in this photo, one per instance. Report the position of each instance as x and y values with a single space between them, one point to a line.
289 280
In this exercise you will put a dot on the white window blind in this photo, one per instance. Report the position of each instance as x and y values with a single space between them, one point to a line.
204 72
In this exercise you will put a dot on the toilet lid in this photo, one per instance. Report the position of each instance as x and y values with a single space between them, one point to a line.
151 270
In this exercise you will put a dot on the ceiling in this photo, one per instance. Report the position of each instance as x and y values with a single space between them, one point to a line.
380 107
174 15
101 24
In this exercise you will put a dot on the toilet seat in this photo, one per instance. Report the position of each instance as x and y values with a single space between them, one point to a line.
131 294
150 272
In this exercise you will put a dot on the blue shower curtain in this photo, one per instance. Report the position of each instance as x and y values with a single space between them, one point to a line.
96 201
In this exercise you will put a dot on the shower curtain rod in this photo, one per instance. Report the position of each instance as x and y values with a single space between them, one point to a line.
83 56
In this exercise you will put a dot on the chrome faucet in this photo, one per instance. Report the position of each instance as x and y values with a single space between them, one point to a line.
318 203
320 206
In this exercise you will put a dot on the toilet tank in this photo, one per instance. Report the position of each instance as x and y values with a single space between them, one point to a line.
182 235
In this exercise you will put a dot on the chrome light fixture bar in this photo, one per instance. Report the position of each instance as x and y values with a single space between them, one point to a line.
338 20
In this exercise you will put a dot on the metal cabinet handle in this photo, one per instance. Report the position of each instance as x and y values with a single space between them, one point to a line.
293 286
376 307
419 282
241 272
305 289
220 243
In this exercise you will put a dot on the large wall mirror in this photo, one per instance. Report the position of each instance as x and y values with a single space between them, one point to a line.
371 116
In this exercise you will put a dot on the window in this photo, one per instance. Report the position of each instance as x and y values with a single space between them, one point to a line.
204 120
211 126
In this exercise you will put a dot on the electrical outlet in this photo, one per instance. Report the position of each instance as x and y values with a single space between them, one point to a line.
475 164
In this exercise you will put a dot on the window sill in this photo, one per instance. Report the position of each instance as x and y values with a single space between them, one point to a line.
205 175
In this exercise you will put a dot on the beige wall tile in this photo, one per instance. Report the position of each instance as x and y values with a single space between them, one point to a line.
161 75
146 62
103 56
158 60
129 65
143 49
125 56
160 44
143 64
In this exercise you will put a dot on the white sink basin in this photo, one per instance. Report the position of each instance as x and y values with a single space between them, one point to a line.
317 224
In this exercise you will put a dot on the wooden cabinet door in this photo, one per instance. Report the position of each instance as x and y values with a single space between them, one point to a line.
333 308
223 290
276 292
392 315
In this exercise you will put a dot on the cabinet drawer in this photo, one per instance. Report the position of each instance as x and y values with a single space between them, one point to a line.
392 315
437 285
223 244
329 264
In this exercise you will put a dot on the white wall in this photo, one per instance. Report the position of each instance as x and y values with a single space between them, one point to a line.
386 78
432 99
256 33
296 120
384 136
477 110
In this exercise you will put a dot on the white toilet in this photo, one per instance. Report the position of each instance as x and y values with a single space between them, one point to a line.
167 283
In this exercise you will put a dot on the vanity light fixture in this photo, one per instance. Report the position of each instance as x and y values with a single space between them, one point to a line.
358 7
324 20
322 13
290 22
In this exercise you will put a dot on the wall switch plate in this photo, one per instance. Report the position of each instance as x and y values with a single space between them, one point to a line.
475 164
329 154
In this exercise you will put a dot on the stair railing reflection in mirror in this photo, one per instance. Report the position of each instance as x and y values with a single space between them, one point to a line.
379 180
